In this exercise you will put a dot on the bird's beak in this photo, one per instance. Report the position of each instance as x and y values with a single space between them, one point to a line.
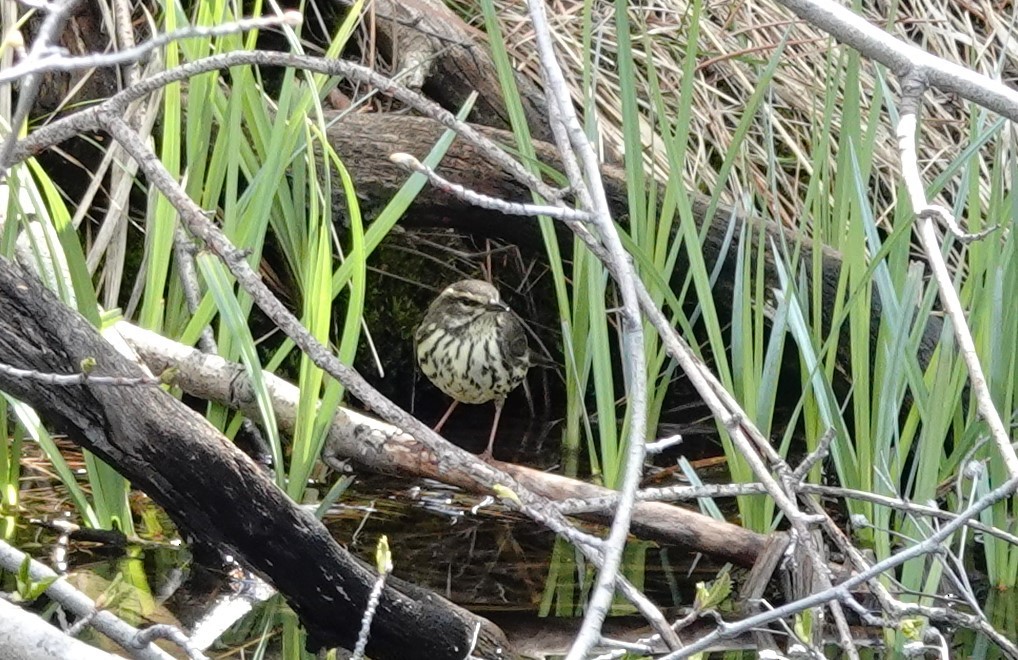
495 305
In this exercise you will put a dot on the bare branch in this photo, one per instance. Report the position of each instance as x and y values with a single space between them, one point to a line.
50 60
912 88
70 380
411 164
850 28
593 199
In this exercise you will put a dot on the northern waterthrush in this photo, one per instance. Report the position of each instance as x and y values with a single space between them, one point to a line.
472 347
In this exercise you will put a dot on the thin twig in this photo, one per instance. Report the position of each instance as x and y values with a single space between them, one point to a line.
71 380
411 164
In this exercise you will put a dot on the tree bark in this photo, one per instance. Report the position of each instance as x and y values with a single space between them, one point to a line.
436 52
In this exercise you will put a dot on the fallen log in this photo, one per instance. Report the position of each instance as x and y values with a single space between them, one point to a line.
377 179
383 448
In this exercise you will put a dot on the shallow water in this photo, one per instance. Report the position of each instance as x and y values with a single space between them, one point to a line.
490 560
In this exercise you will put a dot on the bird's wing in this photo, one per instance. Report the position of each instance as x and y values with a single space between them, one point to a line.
513 341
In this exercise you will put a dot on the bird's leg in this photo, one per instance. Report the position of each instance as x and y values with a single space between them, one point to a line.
445 417
486 456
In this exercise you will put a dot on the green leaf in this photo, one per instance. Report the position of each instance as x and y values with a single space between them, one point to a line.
383 556
28 589
803 625
712 595
913 628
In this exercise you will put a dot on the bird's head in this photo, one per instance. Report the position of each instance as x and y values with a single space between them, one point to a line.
470 299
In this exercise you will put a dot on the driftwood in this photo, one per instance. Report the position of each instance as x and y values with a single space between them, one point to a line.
383 448
211 489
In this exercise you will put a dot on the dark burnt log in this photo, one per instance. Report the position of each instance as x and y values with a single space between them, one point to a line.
211 489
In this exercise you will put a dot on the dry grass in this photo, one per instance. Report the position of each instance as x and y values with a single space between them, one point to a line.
736 40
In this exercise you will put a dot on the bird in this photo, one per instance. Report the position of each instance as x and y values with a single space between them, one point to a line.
473 348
